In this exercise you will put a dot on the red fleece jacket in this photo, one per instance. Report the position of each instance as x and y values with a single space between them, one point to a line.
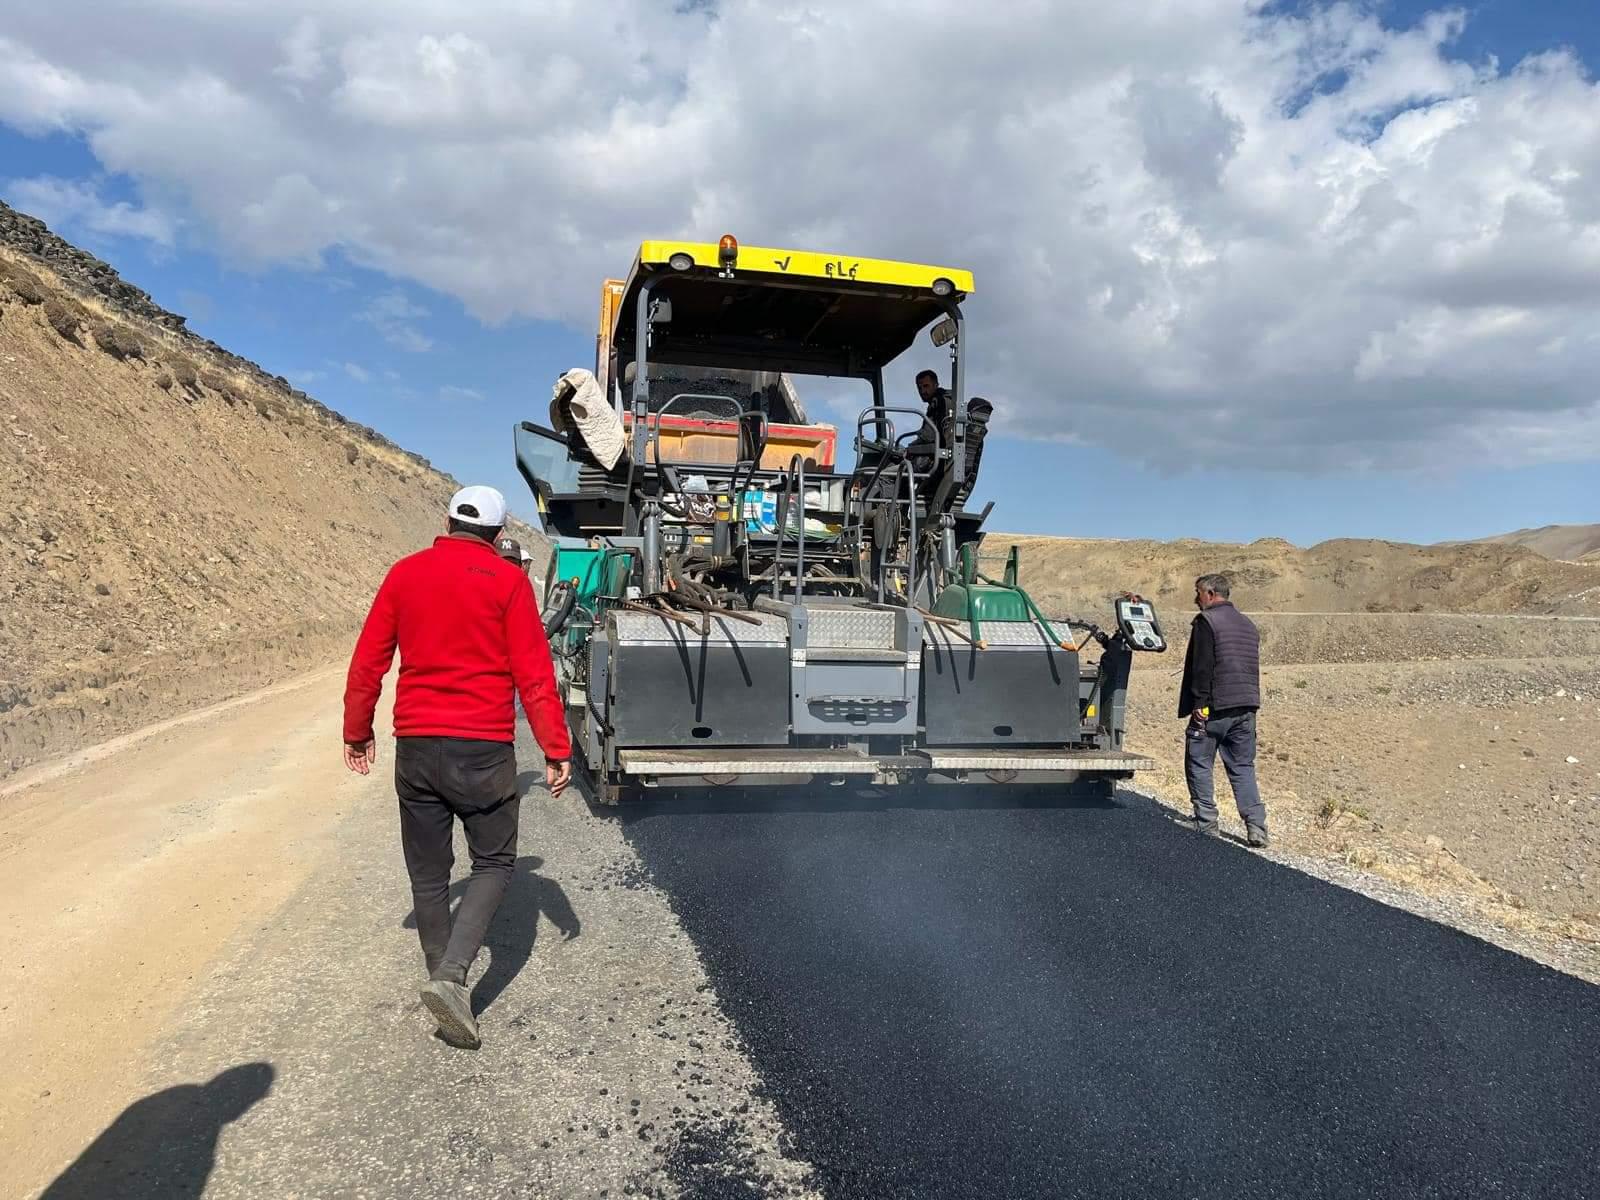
468 630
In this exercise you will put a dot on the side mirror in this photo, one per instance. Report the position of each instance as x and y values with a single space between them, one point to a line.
944 332
661 311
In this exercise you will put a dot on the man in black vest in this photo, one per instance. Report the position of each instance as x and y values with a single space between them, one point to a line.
1220 694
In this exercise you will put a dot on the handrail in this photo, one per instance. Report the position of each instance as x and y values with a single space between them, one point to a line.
909 473
903 471
895 454
763 429
662 411
795 475
732 403
655 442
874 414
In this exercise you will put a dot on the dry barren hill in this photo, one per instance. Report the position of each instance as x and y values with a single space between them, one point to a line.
1570 542
179 526
1079 576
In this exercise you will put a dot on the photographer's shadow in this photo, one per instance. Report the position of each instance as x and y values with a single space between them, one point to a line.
515 926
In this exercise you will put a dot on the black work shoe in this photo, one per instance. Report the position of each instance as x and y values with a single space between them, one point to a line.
451 1006
1256 836
1209 828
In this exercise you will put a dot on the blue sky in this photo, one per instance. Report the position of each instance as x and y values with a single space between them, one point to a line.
444 363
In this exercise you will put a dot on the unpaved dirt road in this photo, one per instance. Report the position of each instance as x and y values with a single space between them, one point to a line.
127 872
209 988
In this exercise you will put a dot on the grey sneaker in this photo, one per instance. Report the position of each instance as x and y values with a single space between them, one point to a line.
1256 836
1209 828
451 1006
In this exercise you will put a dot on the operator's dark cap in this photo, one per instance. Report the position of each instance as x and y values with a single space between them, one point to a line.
509 549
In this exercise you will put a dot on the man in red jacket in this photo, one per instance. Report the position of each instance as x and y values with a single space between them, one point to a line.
469 634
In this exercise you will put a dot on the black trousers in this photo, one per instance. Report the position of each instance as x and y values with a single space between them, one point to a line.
440 779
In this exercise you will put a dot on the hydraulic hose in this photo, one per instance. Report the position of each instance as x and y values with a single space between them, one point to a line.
565 597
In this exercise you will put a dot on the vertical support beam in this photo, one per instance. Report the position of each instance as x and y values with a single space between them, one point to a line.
799 507
597 703
652 548
641 382
958 384
1116 661
880 429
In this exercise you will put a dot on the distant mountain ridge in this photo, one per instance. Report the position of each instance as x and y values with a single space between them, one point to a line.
1572 543
1365 575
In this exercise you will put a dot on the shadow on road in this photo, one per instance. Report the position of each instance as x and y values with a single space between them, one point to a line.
164 1145
516 926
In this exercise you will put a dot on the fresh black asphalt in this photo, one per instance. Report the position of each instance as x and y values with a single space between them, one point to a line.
1026 999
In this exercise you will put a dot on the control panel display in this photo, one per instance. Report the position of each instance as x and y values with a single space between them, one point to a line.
1136 618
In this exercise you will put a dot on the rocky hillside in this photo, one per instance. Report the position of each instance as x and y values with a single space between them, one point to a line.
179 525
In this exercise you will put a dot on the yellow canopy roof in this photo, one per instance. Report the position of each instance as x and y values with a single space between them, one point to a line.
810 264
796 311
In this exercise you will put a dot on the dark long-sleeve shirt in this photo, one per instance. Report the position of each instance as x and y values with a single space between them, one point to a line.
1199 669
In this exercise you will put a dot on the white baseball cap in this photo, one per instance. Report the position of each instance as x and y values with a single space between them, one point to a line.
479 505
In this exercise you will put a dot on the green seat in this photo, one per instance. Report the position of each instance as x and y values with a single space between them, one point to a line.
963 602
976 599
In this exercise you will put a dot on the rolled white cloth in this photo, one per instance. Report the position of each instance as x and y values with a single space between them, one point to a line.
577 394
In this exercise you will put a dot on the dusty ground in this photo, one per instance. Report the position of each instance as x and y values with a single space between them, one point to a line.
1454 757
127 876
209 985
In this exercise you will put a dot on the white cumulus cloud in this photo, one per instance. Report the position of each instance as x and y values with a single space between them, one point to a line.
394 317
75 205
1205 232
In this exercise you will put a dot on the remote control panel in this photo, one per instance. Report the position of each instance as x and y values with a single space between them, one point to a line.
1136 618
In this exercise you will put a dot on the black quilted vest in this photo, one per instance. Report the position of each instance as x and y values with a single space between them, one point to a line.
1237 680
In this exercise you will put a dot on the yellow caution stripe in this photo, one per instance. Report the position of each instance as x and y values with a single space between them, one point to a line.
807 264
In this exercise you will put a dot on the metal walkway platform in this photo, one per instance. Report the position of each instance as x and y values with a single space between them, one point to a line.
785 761
1035 760
745 761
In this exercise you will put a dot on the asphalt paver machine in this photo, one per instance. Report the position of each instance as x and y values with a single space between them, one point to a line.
729 604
